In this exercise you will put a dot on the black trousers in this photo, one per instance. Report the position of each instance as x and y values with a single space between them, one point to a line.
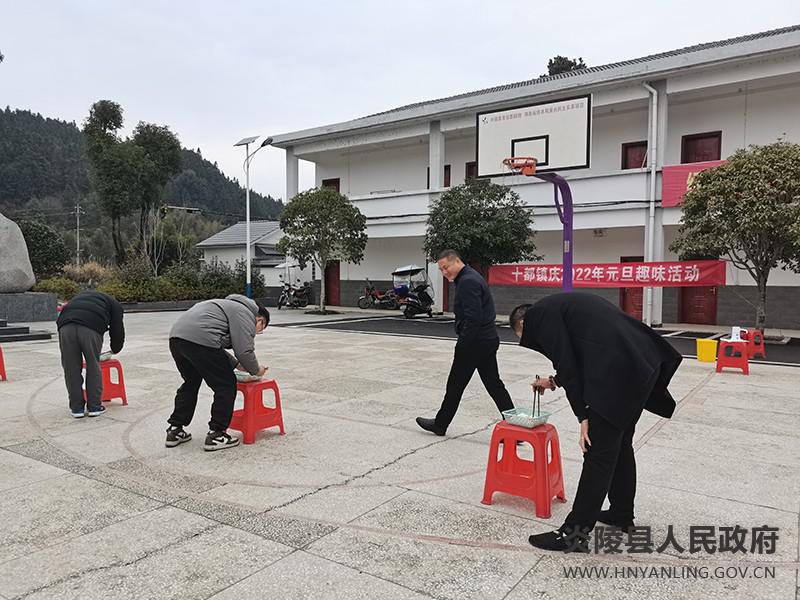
469 356
79 344
196 364
609 468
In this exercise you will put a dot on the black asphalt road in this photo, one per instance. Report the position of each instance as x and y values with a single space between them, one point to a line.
442 328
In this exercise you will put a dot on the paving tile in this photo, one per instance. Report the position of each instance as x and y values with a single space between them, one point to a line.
55 510
302 575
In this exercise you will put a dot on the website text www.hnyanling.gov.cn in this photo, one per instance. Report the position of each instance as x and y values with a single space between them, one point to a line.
668 572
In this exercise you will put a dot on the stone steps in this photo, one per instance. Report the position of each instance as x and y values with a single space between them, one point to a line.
24 337
19 333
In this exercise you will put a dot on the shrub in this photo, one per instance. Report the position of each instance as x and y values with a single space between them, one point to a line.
62 287
184 275
136 270
240 278
135 282
216 278
126 291
90 273
46 249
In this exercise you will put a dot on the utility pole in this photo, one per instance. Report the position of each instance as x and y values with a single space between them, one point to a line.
78 233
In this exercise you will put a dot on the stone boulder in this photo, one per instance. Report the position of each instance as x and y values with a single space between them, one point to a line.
16 273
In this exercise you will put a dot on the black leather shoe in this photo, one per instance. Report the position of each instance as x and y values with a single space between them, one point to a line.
563 539
430 425
607 517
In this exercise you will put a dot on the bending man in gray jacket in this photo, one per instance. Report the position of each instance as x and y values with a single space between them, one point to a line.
197 342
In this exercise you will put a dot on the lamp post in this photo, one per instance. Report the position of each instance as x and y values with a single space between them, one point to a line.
248 290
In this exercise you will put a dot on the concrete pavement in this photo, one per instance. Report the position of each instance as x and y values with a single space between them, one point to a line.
355 501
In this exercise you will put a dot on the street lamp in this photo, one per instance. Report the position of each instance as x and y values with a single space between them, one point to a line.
248 157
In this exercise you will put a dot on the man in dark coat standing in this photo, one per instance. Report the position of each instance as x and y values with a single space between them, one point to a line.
81 326
477 343
612 367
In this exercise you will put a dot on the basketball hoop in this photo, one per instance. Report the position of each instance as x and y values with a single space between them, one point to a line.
521 165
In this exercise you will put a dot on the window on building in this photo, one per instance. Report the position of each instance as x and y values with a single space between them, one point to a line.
332 183
470 170
700 147
446 177
634 155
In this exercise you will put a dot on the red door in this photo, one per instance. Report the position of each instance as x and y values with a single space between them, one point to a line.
332 284
698 305
631 299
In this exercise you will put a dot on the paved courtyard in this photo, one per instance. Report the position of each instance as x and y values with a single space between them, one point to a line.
355 501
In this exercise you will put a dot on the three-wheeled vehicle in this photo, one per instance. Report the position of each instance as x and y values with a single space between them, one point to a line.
412 285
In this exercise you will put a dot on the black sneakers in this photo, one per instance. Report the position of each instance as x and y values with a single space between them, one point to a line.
563 539
96 412
176 436
219 440
430 425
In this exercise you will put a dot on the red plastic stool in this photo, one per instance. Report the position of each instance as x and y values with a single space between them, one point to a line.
255 416
537 479
734 355
755 343
111 389
2 366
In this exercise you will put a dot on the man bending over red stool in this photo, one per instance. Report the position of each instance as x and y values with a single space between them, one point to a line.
197 342
81 325
612 367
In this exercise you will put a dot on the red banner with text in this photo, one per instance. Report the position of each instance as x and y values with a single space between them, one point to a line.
677 179
614 275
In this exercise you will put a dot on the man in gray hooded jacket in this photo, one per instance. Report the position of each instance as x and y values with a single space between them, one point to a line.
197 342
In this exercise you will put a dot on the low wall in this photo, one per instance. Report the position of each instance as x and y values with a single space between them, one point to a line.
28 307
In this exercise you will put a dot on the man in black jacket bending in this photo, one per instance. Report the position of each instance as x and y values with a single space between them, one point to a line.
477 343
81 326
612 367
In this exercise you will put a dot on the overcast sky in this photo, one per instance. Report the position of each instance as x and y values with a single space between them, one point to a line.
215 72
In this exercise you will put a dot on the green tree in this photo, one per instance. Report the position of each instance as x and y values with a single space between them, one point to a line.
562 64
46 249
101 127
120 177
321 225
485 222
748 210
121 169
163 150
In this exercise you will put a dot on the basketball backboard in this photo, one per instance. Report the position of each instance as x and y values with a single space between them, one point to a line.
557 134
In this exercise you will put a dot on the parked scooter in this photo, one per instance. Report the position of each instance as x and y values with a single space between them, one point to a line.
417 302
412 285
373 298
294 296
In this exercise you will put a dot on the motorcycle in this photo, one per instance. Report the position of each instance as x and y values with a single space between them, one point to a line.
411 283
294 296
374 298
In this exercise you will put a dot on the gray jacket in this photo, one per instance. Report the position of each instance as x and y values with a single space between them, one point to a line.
228 323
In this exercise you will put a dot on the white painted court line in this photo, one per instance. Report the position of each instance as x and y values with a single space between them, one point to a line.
673 334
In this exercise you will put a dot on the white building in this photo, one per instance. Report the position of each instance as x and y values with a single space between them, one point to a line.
228 246
706 100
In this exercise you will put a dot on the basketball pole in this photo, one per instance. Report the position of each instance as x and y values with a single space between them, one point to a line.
526 166
565 215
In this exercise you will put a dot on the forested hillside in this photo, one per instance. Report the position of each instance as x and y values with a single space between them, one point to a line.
45 174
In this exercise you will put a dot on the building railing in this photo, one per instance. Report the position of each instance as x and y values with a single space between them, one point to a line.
616 188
